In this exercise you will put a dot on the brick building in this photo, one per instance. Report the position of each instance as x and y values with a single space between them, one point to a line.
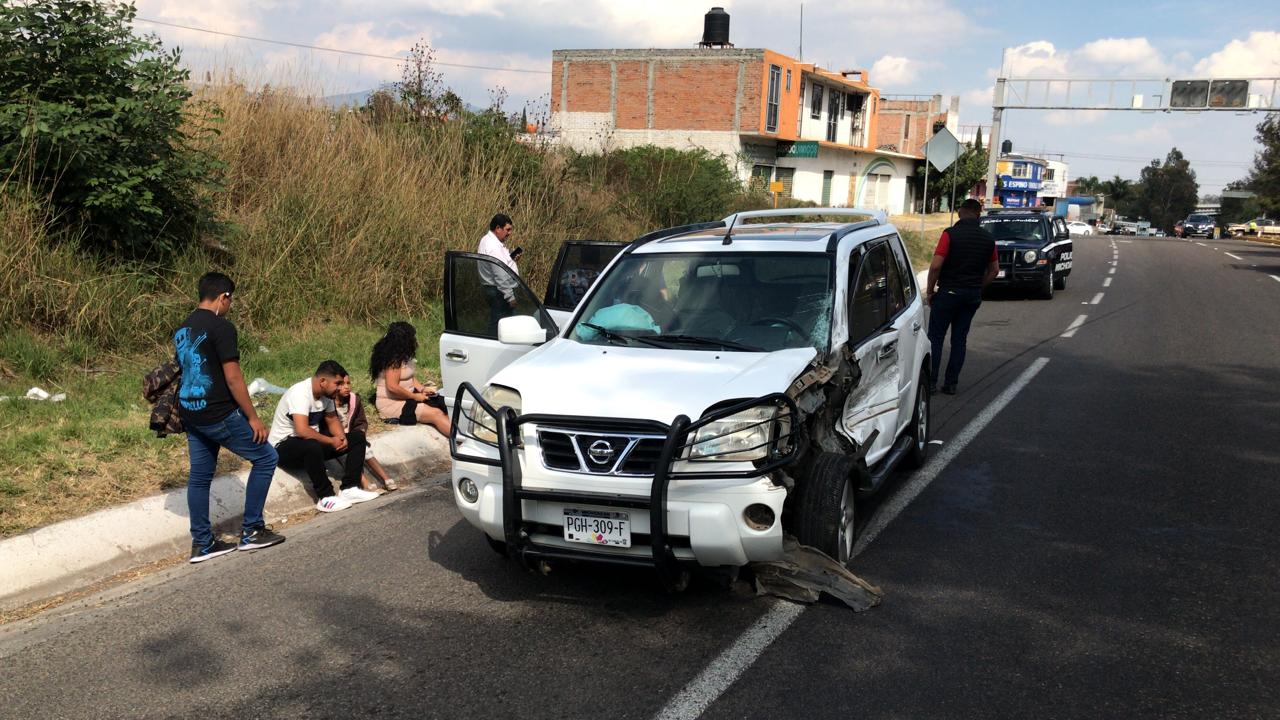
904 123
771 116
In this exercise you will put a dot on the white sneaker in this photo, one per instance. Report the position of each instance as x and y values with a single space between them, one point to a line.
357 495
333 503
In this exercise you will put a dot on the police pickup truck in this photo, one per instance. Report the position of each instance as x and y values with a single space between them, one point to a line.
1034 249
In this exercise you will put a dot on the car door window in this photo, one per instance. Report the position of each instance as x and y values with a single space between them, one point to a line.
479 292
908 280
870 294
578 266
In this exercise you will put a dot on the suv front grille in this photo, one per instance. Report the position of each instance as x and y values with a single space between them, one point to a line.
600 453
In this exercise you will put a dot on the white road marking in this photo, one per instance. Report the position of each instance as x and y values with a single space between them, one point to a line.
1106 282
925 475
1276 278
1074 326
1234 256
1126 241
711 683
1201 244
1112 271
694 698
1097 298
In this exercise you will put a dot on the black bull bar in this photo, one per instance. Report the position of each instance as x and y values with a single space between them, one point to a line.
783 447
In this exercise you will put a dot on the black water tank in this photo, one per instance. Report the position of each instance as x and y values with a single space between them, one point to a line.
1006 147
715 27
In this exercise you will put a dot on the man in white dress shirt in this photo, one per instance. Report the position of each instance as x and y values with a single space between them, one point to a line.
499 286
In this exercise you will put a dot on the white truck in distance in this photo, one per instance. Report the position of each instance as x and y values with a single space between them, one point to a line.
688 398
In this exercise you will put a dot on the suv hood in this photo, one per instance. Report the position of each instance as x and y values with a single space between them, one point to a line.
566 377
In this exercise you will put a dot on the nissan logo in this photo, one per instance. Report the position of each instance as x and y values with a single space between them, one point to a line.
600 452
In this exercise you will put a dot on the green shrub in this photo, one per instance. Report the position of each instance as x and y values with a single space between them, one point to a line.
99 120
664 186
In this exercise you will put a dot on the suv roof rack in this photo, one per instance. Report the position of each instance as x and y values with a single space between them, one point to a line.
668 232
879 216
1039 210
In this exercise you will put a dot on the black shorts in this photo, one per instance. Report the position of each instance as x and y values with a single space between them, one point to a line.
409 413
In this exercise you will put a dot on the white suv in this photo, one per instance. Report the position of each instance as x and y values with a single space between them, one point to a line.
689 397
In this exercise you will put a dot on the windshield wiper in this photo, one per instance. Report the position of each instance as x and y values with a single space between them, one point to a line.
618 337
699 340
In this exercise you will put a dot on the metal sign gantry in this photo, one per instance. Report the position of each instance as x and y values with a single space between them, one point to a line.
1187 95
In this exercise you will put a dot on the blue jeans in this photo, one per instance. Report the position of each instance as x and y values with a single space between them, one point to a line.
203 443
952 308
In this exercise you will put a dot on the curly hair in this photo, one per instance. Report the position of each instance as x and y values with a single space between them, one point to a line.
394 349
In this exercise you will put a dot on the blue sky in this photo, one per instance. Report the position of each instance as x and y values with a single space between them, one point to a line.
911 46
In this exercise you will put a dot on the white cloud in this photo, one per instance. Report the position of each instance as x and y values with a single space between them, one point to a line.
1258 55
1107 56
1122 55
892 70
1151 135
972 101
1071 118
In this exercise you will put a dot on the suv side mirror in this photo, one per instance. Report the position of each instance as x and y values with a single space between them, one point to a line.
521 330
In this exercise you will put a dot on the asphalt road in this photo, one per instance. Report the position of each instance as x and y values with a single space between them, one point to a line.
1105 547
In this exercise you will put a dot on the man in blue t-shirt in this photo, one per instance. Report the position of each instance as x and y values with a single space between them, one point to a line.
216 412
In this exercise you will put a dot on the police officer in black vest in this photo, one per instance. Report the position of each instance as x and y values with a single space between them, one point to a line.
964 263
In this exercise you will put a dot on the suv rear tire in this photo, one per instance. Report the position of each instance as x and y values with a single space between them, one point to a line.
824 506
1060 281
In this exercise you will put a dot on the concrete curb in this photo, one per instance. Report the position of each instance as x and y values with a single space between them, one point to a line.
79 552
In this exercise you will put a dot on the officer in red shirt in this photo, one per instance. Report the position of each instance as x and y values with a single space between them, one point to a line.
964 263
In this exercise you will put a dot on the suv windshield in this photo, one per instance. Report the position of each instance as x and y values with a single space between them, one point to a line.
730 301
1013 228
1198 219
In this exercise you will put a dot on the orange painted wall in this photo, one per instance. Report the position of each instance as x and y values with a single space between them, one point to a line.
789 101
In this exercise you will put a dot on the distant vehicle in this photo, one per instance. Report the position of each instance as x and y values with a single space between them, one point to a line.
1256 227
1198 226
1178 230
1034 249
1079 228
1122 226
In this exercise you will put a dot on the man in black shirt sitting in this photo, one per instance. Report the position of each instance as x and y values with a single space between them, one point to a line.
964 263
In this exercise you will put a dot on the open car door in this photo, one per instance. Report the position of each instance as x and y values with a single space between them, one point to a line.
578 265
476 290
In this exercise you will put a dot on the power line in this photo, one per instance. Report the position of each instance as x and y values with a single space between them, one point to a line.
338 50
1130 158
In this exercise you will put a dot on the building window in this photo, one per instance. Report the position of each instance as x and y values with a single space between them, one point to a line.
771 113
833 115
1020 170
786 176
815 101
1048 174
788 80
760 177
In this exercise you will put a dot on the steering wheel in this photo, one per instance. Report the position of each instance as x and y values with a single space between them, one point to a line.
776 320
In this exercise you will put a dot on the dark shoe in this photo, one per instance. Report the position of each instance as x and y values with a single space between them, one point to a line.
933 389
212 550
949 389
259 537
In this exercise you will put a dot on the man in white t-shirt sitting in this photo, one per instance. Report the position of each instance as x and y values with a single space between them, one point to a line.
295 433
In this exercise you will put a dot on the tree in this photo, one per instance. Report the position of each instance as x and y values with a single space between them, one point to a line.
1264 177
422 91
977 140
99 121
1169 191
1089 185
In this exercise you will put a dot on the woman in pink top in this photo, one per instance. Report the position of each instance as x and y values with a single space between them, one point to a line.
398 398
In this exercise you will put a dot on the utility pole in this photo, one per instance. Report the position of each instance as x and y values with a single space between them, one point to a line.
993 143
801 58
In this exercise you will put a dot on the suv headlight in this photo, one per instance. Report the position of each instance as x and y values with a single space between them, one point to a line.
483 426
741 437
1030 256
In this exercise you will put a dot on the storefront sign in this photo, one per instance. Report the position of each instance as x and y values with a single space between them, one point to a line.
802 149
